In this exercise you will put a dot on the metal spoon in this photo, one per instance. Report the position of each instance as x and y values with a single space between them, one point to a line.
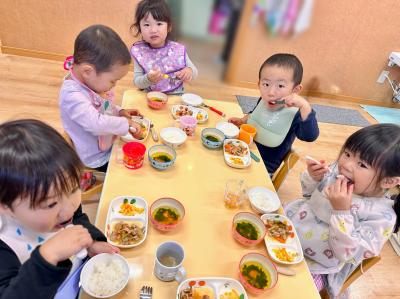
153 132
285 271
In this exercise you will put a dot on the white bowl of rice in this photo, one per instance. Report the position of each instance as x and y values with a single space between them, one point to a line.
263 200
105 275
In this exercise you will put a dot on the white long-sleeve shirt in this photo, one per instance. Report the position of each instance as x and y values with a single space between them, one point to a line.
335 242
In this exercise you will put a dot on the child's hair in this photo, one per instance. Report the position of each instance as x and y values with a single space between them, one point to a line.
102 47
35 160
159 9
288 61
379 146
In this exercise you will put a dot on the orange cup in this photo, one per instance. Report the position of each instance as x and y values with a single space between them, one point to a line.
247 133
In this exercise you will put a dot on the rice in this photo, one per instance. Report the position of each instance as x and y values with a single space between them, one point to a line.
261 201
107 277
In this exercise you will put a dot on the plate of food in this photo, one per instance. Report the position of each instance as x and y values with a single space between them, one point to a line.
236 153
181 110
211 288
144 127
127 221
281 240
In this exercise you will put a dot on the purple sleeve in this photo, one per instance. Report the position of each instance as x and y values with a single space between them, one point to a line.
81 111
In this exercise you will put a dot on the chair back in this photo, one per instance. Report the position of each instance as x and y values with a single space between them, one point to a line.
288 163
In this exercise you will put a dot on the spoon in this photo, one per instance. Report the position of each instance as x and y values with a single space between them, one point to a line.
153 132
285 271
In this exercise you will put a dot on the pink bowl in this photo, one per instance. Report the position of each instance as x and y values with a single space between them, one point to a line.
266 264
253 219
169 203
161 100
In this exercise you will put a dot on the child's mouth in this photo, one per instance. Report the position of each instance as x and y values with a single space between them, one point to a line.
349 181
65 223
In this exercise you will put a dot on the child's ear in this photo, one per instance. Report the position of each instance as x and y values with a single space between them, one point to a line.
87 70
390 182
5 210
297 88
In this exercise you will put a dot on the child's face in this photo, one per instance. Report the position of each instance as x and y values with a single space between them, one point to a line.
154 32
105 81
276 83
358 172
49 216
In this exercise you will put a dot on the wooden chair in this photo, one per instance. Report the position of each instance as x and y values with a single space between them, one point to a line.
357 273
88 196
288 163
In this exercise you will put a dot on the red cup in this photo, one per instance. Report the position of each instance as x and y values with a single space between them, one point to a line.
133 154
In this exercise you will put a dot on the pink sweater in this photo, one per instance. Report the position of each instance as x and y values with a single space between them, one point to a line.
84 123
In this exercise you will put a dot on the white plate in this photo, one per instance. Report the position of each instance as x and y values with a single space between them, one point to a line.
291 244
200 114
88 270
142 121
263 200
218 286
113 217
237 161
229 129
192 99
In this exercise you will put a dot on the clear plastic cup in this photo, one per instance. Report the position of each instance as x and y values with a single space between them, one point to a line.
235 193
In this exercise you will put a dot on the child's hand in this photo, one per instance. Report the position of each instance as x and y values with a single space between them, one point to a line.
102 247
316 170
135 129
185 74
128 113
294 100
236 121
339 194
155 76
65 244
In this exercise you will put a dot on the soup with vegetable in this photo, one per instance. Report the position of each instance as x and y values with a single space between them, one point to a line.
247 229
166 215
162 157
256 275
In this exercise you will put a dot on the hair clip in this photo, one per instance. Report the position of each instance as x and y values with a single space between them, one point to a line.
69 61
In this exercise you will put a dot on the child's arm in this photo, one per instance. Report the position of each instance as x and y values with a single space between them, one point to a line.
100 244
237 121
308 184
188 73
36 278
80 110
140 79
352 239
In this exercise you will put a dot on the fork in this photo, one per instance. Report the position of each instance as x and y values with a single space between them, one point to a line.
146 292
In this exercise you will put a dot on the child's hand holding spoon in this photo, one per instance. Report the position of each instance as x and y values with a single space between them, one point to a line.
316 169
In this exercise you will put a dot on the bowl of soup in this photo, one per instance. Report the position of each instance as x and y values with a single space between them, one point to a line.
156 100
257 273
248 229
166 213
161 156
212 138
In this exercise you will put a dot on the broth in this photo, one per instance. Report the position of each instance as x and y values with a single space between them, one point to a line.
166 215
256 275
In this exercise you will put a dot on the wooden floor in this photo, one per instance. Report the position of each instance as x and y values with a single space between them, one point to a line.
29 88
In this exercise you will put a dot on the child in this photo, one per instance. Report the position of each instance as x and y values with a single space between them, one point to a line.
348 217
159 63
39 196
87 112
281 114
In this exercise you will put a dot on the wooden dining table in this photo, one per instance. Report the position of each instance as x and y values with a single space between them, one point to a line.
197 179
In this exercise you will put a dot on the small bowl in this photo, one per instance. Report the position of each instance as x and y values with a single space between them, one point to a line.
192 99
266 264
156 100
212 144
88 277
229 129
263 200
173 137
166 202
161 149
254 220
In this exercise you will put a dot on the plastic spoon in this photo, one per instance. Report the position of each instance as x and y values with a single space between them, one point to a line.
82 254
315 161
